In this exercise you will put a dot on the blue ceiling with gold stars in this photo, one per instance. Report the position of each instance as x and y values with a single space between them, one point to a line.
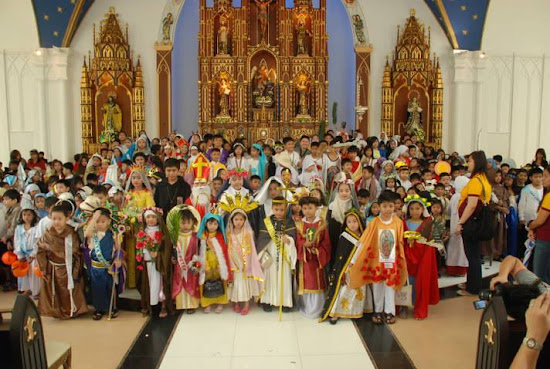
462 21
58 20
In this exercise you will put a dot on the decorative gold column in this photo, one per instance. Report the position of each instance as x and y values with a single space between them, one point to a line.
437 104
387 100
164 88
86 108
139 101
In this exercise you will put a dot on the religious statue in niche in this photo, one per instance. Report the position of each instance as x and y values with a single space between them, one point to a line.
166 26
263 85
359 28
302 87
302 34
414 120
263 17
112 119
223 36
224 90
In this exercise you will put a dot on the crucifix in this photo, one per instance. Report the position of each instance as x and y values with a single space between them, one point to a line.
263 17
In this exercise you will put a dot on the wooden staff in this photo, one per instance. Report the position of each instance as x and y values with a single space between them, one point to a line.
112 301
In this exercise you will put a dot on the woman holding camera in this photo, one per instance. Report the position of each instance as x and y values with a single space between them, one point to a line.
472 198
539 231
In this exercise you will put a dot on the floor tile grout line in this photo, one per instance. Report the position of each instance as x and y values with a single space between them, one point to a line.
169 341
298 343
134 342
365 344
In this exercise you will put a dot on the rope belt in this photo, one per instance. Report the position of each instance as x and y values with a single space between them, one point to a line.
73 305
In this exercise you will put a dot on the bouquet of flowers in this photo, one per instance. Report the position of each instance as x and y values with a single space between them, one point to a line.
144 241
195 265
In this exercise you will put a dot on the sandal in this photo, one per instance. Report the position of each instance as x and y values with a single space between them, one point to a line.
163 314
144 312
390 319
97 315
190 311
245 311
333 321
377 318
207 310
237 308
219 309
114 313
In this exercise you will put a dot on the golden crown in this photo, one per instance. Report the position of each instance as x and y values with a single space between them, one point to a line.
138 168
231 203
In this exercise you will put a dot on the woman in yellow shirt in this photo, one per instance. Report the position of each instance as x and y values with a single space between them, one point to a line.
476 193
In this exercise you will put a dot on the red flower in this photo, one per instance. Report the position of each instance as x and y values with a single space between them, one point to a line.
139 258
158 236
140 267
139 245
363 269
371 255
141 234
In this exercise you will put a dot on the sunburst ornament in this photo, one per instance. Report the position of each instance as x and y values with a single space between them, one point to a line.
231 203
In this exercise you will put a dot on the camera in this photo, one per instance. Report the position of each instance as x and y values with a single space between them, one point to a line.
516 298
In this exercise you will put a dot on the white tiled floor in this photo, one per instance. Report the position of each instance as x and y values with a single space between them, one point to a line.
259 340
486 270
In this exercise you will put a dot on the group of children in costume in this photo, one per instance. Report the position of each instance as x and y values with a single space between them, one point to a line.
265 236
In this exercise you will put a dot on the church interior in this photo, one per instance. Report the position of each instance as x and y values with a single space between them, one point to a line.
461 75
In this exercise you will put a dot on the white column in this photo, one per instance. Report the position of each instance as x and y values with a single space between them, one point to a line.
465 101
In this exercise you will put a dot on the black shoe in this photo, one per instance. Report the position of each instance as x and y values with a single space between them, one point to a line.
286 309
333 322
267 308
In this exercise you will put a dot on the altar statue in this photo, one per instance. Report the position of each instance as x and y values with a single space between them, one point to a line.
223 36
359 29
224 89
301 34
263 18
166 25
414 121
112 115
302 86
263 85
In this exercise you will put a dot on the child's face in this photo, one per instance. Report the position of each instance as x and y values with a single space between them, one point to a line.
362 200
427 176
238 221
218 142
103 223
289 146
279 211
9 202
27 216
151 220
215 155
216 186
388 168
317 194
439 191
404 175
375 209
118 197
102 198
309 210
139 160
347 167
137 181
314 150
352 155
367 174
352 224
344 192
411 191
40 202
212 225
237 182
390 183
436 209
398 205
59 221
386 209
415 210
186 225
536 180
446 180
255 184
522 177
61 188
254 152
104 165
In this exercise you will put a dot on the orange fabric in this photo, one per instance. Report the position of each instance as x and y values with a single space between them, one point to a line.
368 268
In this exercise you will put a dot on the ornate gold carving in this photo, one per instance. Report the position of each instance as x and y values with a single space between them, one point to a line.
110 70
262 63
29 328
491 331
413 72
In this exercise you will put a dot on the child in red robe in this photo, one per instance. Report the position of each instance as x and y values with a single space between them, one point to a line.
421 258
313 248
